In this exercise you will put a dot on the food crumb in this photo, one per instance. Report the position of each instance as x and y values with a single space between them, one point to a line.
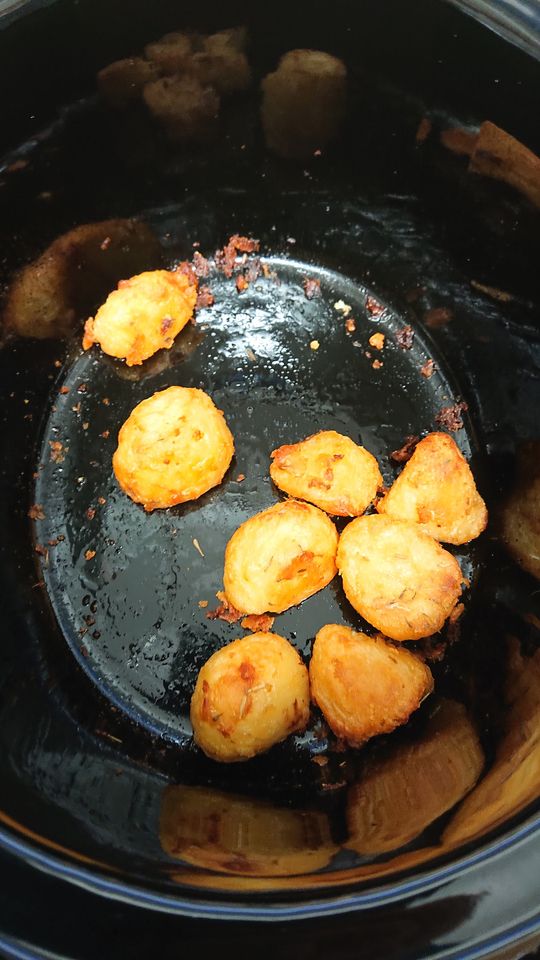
242 283
376 341
64 390
258 621
105 434
406 451
197 546
250 355
450 417
405 337
240 477
76 407
105 244
350 325
428 369
423 130
90 513
437 317
203 603
501 295
374 307
42 551
57 448
225 611
89 554
85 425
314 345
342 307
205 298
320 760
36 512
101 500
106 401
377 364
312 288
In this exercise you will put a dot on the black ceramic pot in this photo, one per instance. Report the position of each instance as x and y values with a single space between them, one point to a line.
117 837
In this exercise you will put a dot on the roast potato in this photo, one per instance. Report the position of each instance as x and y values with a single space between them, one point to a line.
437 490
143 315
280 557
123 81
172 52
329 470
241 835
186 108
364 685
173 447
249 695
412 784
397 577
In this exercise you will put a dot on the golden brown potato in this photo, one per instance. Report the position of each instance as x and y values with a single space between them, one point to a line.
122 81
249 695
364 685
280 557
329 470
404 790
397 577
240 835
185 108
173 447
172 53
234 38
143 315
437 490
74 273
520 520
303 102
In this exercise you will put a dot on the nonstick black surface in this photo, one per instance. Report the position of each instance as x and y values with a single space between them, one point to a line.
99 657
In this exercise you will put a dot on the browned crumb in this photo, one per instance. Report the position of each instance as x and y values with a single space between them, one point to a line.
85 425
424 129
82 388
64 390
438 317
459 140
36 512
203 604
42 551
406 451
405 337
240 477
377 364
225 611
106 401
376 341
105 244
256 622
312 288
201 265
89 554
226 258
55 541
253 270
90 513
242 283
57 448
320 760
268 273
58 363
350 324
492 292
374 307
101 501
450 417
76 407
105 434
428 369
205 298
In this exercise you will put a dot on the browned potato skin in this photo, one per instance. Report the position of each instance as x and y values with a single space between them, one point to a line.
143 315
173 447
364 685
329 470
280 557
397 577
241 835
249 695
437 490
520 519
75 272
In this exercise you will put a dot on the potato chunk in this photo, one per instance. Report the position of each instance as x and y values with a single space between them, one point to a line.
242 835
123 81
364 685
280 557
329 470
172 52
303 102
225 69
401 792
173 447
249 695
397 577
143 315
437 490
520 520
185 108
